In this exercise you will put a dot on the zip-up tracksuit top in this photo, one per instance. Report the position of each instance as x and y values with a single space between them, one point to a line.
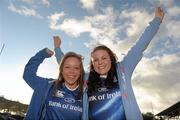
41 86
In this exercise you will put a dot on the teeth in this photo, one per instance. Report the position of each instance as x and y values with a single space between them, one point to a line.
71 76
101 67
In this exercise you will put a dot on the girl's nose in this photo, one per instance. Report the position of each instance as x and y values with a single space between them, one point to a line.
100 62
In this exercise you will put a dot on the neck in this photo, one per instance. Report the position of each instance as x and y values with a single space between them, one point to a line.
103 76
71 88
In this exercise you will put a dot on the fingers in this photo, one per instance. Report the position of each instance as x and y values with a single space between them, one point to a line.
56 37
160 9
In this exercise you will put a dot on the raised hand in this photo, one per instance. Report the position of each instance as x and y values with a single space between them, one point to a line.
159 13
57 41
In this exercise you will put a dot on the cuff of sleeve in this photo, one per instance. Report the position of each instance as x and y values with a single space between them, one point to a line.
57 50
157 20
44 53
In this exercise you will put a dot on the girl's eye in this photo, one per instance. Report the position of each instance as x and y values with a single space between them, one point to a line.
77 68
104 58
67 67
95 60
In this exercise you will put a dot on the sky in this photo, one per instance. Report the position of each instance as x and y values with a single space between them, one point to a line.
27 26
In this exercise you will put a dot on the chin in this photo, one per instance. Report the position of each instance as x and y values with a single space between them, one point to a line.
103 73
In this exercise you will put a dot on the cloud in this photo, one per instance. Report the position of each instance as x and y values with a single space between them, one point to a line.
158 79
104 29
136 26
118 30
174 29
53 18
174 11
88 4
74 27
42 2
161 3
107 27
95 25
166 3
46 2
28 1
24 11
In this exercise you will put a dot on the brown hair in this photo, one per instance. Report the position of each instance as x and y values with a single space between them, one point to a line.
93 82
60 79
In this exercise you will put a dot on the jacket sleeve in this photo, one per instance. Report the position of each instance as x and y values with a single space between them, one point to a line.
58 54
136 52
31 68
85 98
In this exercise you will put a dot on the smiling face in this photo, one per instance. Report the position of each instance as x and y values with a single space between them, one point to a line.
71 71
101 61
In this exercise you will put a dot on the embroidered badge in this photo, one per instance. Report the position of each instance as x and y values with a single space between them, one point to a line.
60 94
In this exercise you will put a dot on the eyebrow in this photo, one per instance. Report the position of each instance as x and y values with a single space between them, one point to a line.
71 65
102 56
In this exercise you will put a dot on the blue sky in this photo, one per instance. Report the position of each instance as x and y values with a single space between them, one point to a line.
27 26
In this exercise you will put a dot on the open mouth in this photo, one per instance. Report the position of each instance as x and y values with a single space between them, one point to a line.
71 76
101 67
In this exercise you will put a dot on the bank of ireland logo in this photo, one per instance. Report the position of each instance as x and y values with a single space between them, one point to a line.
60 94
69 100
